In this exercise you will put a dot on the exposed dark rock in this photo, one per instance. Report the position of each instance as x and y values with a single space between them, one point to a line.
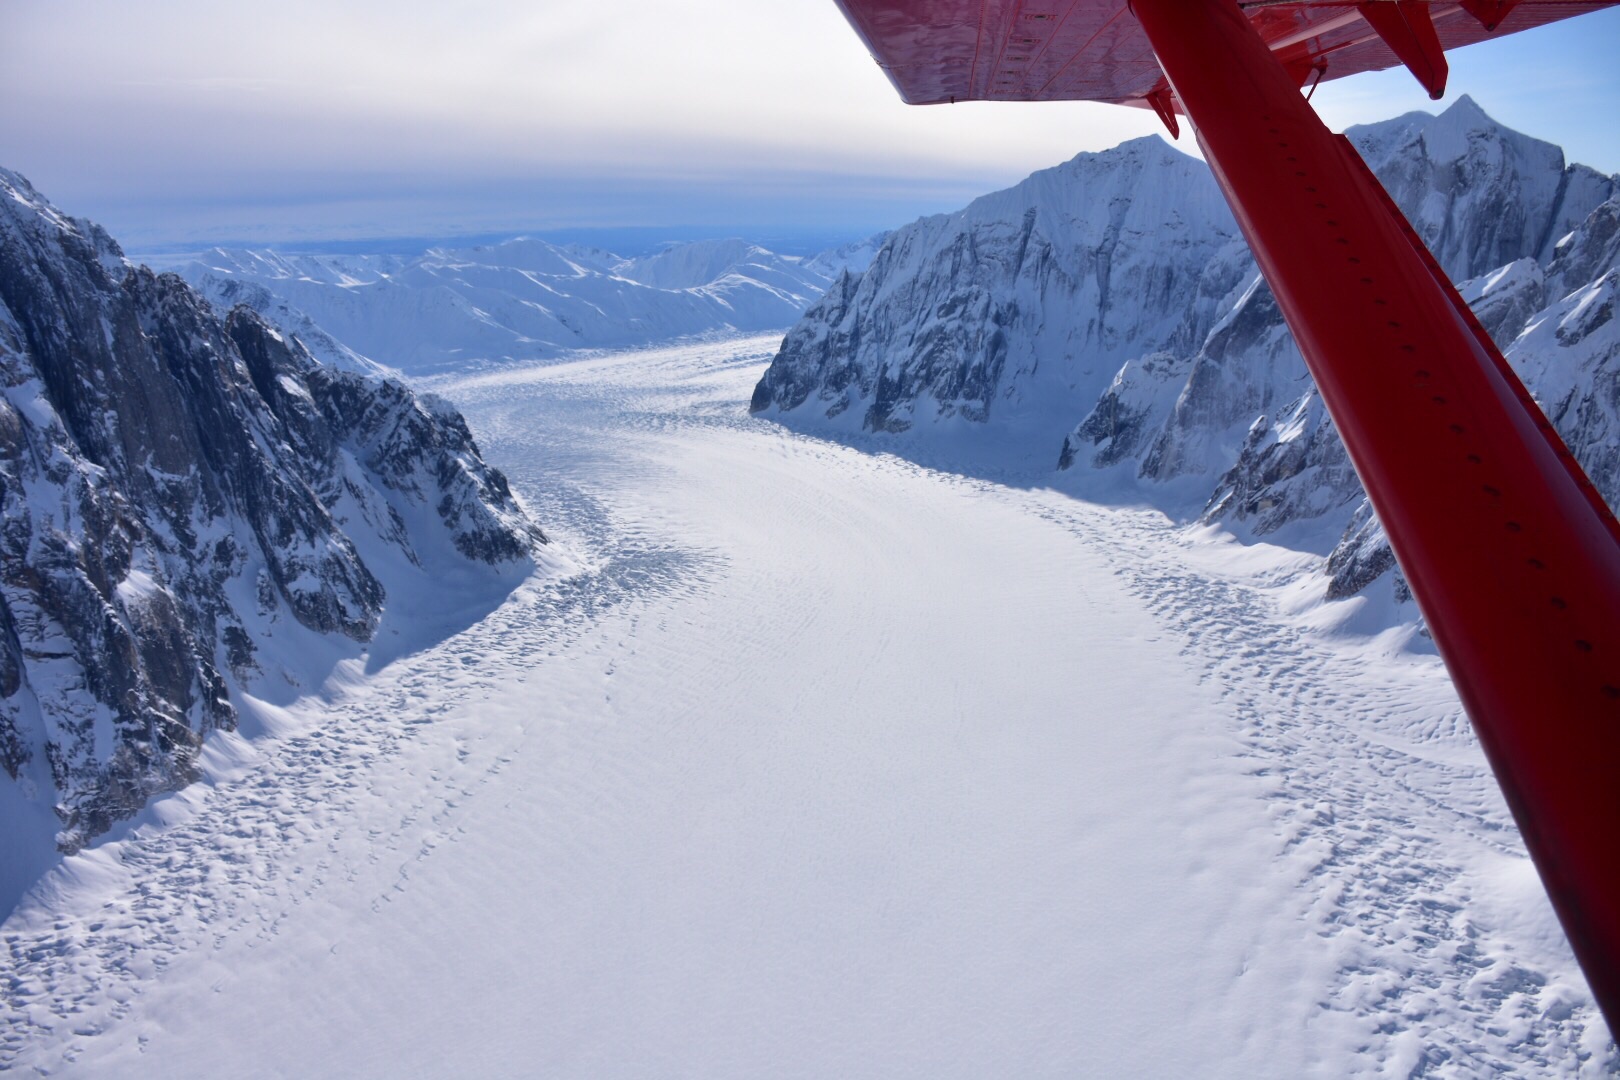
1361 557
159 466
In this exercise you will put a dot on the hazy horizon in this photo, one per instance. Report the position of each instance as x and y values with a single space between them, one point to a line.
197 124
630 241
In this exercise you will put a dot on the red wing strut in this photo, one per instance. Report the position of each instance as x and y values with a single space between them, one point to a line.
1514 560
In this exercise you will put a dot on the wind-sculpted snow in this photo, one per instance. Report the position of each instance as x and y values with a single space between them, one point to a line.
192 506
1169 346
518 300
829 765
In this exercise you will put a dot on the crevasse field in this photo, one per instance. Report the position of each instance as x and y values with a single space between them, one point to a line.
825 764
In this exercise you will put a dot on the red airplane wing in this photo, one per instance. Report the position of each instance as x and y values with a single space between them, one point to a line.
937 51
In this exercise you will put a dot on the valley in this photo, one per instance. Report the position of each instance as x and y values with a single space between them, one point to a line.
824 763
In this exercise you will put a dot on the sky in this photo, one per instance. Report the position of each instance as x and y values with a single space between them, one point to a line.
188 123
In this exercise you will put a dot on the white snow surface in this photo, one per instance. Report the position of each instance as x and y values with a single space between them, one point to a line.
830 765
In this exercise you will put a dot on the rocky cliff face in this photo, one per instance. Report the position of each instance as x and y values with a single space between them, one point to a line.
172 486
1009 310
1143 312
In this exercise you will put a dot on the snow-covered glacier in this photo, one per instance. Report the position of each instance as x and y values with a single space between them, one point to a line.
194 509
829 765
1106 315
519 300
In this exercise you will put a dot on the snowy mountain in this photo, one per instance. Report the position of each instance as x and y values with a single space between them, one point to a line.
523 299
1010 310
1116 287
1499 211
193 508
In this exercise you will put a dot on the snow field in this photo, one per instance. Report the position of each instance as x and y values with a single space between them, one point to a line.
831 765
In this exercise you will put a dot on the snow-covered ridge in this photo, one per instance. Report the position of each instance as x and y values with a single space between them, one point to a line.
1116 290
193 507
519 300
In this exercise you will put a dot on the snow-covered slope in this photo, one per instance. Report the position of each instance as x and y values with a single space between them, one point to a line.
1141 313
854 256
193 507
523 299
1569 351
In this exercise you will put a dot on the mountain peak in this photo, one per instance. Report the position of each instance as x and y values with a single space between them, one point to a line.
1463 118
1146 149
1446 136
32 214
1467 107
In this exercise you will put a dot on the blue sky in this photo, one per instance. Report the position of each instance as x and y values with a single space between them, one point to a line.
189 122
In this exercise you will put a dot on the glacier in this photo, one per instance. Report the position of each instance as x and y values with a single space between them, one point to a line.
828 764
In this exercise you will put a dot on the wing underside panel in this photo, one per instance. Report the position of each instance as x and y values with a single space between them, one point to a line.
937 51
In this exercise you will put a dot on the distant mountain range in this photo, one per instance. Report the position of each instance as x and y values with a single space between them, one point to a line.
523 299
1106 315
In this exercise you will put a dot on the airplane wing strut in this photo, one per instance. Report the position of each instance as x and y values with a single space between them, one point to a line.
1513 560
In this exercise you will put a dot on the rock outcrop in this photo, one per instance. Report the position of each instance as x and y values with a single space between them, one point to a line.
173 486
